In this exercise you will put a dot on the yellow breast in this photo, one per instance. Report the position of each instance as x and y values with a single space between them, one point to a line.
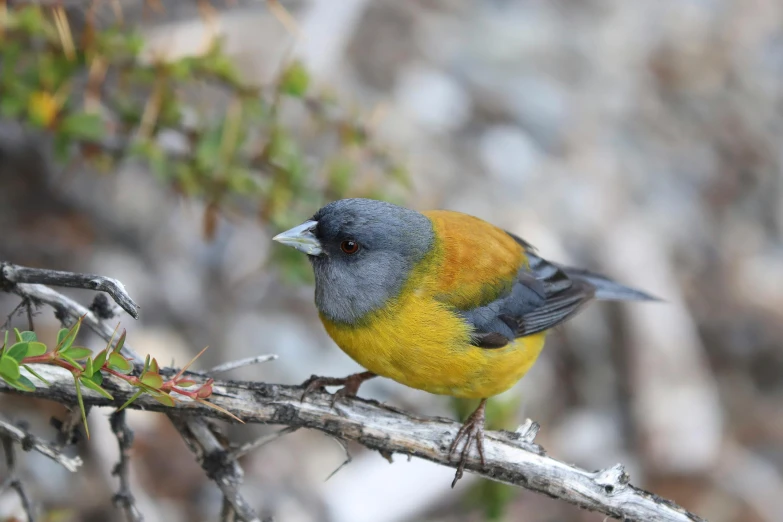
419 343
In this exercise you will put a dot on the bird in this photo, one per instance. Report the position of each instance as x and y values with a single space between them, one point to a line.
438 300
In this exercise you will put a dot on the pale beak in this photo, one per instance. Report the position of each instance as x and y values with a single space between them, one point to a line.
301 238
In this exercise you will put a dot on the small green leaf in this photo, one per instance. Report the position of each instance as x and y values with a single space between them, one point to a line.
129 401
35 348
83 126
97 377
81 404
295 80
22 383
154 368
164 399
120 342
99 360
9 368
77 352
18 335
17 352
70 361
91 385
35 374
186 383
119 363
65 337
29 337
153 380
88 369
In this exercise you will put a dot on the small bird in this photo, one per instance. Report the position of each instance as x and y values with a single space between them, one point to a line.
439 301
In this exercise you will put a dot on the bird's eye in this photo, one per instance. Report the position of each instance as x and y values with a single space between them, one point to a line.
349 246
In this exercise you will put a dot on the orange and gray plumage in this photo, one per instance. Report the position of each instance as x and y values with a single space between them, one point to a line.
440 301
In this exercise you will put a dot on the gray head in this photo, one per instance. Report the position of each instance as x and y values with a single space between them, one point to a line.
362 252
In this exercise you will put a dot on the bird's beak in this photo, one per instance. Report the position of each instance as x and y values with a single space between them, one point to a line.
301 238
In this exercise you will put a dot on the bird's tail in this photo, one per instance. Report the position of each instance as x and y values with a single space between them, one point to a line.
605 288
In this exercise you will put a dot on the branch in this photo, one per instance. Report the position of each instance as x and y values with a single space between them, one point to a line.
124 497
511 458
13 482
22 274
31 442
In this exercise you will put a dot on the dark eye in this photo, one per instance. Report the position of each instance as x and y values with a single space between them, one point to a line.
349 246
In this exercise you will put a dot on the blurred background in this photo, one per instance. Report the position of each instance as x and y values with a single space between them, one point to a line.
163 143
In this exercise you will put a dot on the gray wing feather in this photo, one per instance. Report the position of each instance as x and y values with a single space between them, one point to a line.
543 296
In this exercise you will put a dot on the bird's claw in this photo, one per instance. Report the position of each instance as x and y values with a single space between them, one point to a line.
350 385
472 431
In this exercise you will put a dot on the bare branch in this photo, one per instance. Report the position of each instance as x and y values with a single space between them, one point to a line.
22 274
13 482
30 442
217 464
233 365
124 497
511 457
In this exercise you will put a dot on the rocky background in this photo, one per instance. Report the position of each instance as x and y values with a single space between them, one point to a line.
637 138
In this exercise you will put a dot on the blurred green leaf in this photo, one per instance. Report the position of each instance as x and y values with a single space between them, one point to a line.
93 386
295 80
83 126
17 351
9 368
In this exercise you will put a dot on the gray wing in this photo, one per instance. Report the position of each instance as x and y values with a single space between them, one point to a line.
542 296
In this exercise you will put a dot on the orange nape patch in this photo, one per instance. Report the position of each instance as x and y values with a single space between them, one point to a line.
477 261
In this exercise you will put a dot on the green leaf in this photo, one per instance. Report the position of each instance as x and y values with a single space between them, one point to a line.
100 360
153 380
154 368
29 337
83 126
65 337
120 343
22 383
77 352
97 377
9 368
119 363
70 361
88 369
17 352
91 385
81 404
295 80
129 401
186 383
35 374
18 335
35 348
164 399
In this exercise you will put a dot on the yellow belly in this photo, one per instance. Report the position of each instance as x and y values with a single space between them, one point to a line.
418 342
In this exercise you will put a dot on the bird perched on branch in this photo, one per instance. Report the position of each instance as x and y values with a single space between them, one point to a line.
438 300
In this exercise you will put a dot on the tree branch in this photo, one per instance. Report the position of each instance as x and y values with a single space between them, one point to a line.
13 482
31 442
22 274
124 497
511 458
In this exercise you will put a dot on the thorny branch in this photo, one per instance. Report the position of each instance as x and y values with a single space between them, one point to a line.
511 457
124 497
68 310
30 442
13 482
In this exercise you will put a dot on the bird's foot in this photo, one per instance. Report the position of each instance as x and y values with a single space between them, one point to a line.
472 431
350 385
